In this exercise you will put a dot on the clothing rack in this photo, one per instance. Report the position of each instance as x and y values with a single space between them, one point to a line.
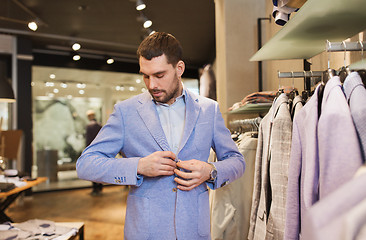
315 77
300 74
345 46
247 124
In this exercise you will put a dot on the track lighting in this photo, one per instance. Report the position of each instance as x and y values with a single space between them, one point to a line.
147 23
76 57
76 46
33 26
140 5
110 60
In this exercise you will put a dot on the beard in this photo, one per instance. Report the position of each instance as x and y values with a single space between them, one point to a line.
167 94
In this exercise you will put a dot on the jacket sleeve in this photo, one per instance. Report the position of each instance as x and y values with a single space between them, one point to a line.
230 163
98 162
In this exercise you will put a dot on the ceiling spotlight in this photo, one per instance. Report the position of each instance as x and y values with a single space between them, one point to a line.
76 46
147 23
138 80
55 90
76 57
49 84
63 85
140 5
110 60
33 26
52 76
81 91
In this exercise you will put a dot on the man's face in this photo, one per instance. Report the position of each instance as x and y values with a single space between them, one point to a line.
162 79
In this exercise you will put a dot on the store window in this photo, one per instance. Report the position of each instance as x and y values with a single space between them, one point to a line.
61 98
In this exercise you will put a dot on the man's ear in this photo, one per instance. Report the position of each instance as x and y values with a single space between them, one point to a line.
180 67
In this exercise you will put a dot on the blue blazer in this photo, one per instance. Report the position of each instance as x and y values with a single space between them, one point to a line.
155 208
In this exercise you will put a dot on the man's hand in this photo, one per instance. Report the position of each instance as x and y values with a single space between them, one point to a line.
198 172
157 164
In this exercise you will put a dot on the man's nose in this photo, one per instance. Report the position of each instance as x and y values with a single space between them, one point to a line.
152 83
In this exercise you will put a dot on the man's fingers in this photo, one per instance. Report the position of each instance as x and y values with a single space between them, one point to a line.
182 174
186 183
167 154
168 162
184 188
166 173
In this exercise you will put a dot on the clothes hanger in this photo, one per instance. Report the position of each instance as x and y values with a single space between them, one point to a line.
344 71
294 91
280 90
305 93
362 72
328 74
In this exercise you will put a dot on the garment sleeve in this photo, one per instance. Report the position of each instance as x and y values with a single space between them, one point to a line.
292 225
230 163
257 184
98 162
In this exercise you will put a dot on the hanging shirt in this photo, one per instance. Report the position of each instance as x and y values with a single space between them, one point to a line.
356 97
172 119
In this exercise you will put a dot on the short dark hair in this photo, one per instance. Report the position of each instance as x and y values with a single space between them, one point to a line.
160 43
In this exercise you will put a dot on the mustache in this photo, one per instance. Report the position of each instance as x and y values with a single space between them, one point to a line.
156 90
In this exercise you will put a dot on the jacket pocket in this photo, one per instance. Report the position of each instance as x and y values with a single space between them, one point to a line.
203 214
137 218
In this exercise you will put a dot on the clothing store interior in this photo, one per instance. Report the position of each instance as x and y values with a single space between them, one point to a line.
285 73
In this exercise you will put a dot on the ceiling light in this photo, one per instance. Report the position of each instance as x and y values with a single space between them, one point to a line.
63 85
138 80
80 85
76 46
6 91
55 90
140 5
110 60
69 96
76 57
49 84
147 24
152 32
131 89
143 89
33 26
52 76
81 91
118 88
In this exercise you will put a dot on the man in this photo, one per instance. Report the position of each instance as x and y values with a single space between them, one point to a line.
92 130
165 135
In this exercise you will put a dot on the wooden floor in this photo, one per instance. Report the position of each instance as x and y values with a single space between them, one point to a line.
103 215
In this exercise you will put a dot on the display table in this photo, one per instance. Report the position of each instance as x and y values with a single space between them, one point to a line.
76 230
11 195
77 225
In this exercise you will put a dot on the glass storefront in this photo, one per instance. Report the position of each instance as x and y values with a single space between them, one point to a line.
61 98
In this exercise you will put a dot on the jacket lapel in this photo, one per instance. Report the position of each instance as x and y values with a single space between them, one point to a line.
192 112
150 117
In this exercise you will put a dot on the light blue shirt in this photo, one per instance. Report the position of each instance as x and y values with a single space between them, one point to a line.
172 119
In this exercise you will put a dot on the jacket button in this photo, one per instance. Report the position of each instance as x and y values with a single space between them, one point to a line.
174 189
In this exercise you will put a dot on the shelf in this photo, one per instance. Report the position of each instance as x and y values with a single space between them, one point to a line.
252 108
305 35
